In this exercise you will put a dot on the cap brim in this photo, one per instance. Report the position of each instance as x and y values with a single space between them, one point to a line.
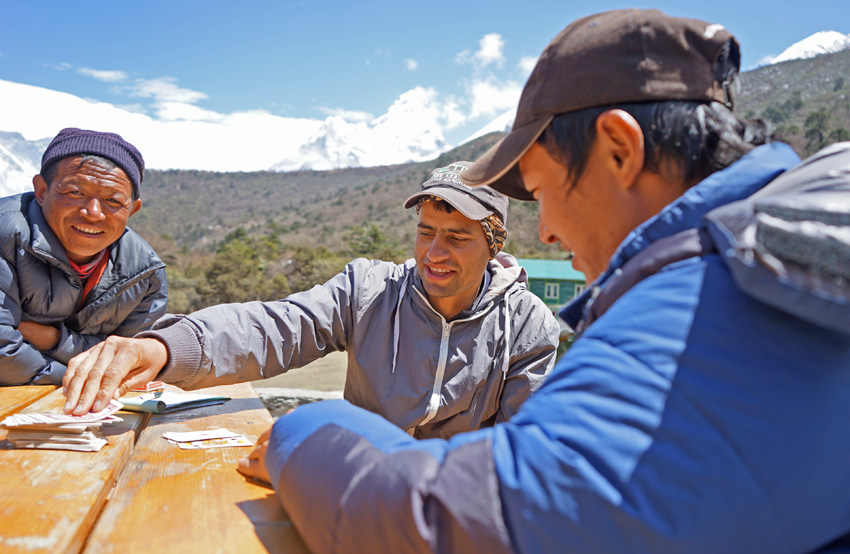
461 201
499 166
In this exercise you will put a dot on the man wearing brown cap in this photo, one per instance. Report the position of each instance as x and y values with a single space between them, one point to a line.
447 342
72 273
689 416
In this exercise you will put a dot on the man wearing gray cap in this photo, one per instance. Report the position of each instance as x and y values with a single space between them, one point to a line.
447 342
72 273
688 417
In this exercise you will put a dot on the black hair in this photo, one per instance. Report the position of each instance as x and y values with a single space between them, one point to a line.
698 138
439 204
49 173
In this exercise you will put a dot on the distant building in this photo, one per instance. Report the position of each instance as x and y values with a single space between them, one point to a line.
555 282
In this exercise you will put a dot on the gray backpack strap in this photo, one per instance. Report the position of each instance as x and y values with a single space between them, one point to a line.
650 260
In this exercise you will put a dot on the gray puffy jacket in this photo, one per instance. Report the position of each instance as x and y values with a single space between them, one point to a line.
429 376
38 284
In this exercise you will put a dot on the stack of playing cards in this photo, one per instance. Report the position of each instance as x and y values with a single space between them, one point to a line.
57 431
216 438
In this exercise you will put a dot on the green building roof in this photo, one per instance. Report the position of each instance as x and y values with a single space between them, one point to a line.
551 269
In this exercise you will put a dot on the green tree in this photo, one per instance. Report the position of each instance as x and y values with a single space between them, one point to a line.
310 266
839 135
794 103
243 269
817 129
775 115
371 242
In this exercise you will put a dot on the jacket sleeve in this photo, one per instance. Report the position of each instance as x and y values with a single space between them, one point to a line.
20 362
353 482
151 307
256 340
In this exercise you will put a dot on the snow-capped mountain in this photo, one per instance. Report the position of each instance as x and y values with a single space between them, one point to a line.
19 161
406 133
501 124
824 42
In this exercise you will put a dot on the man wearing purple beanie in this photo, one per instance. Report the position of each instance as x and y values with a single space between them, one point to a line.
72 273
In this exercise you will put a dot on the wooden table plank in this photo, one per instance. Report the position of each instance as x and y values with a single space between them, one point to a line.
173 500
14 399
49 499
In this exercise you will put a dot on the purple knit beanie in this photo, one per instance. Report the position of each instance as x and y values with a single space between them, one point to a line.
72 141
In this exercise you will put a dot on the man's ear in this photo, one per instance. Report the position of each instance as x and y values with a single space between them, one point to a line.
137 205
40 187
622 139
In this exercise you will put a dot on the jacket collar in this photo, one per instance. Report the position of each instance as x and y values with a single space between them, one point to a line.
740 180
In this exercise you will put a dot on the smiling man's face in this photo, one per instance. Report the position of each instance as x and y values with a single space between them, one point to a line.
87 205
451 257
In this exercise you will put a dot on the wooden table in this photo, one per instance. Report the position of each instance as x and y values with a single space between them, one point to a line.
140 492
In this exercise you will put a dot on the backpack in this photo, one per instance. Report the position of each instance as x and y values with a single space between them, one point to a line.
787 245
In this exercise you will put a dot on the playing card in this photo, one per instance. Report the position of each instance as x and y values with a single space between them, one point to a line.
216 443
193 436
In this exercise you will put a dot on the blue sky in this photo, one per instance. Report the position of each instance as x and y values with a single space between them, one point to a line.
311 59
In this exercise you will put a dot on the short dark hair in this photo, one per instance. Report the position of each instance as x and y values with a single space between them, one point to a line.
49 172
699 138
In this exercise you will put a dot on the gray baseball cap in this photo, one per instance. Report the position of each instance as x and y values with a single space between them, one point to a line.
475 203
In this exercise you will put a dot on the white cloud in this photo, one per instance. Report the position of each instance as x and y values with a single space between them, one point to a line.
60 66
165 89
490 97
490 50
179 111
526 64
411 64
348 115
107 76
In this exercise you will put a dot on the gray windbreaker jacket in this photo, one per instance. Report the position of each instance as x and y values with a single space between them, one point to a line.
429 376
38 284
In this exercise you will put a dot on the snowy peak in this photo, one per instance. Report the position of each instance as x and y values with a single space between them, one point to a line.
406 133
19 161
824 42
502 124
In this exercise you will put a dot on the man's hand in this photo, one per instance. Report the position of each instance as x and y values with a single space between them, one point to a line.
254 466
43 337
108 370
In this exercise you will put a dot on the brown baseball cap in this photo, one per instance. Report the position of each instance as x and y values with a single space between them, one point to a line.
610 58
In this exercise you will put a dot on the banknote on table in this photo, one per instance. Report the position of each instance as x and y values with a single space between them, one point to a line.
58 431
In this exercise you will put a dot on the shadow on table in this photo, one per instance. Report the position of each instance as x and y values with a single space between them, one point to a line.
272 525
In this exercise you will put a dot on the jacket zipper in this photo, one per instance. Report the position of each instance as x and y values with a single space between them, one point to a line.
436 398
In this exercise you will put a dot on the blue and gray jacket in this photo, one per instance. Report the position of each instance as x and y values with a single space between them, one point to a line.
689 417
38 284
